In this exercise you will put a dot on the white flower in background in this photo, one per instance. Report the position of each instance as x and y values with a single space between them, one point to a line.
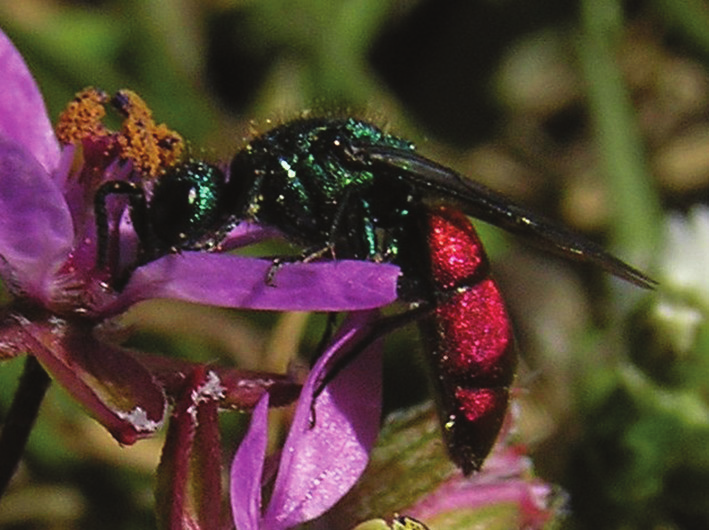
683 305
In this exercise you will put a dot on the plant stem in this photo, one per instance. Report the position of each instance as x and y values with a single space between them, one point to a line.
20 418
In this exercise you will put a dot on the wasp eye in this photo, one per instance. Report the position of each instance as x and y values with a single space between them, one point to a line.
187 203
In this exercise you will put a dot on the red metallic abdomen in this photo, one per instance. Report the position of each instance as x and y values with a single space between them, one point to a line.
469 338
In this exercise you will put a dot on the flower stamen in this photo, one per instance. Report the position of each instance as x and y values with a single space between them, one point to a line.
152 147
83 117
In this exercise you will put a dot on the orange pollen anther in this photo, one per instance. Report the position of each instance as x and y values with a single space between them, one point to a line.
83 117
151 147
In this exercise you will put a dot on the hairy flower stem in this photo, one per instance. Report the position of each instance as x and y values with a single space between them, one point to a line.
20 418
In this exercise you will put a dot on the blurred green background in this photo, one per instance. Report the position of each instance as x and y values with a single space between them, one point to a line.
595 113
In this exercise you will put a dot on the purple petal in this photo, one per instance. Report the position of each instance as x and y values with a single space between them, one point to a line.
36 232
117 390
247 233
23 116
240 282
247 470
321 462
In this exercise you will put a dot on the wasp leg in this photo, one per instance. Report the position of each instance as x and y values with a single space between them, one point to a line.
138 213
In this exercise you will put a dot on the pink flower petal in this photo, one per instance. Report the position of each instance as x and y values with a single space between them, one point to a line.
235 281
117 390
321 462
247 470
23 116
505 479
247 233
36 232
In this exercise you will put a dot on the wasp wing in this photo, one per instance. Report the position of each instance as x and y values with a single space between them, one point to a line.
480 202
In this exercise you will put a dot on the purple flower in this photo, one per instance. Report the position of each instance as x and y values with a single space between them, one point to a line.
328 445
48 262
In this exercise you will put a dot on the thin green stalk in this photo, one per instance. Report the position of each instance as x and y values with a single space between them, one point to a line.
635 205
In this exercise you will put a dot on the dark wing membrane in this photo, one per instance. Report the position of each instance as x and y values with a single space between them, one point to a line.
482 203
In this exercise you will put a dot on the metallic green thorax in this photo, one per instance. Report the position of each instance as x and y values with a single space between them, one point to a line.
301 178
